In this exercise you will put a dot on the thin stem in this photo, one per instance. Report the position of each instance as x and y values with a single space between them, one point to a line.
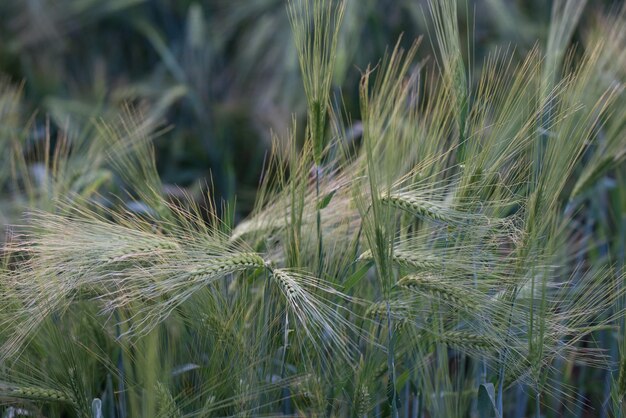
538 405
286 397
391 363
121 370
320 247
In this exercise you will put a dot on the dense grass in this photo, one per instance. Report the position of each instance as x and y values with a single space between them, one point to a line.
449 243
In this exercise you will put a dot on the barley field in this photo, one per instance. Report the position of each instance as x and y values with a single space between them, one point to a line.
312 208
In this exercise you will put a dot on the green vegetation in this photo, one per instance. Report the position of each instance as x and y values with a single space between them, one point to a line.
438 237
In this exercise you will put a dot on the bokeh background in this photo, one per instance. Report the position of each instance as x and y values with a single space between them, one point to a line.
221 75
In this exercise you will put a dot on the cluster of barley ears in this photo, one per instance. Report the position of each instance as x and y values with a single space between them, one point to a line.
438 258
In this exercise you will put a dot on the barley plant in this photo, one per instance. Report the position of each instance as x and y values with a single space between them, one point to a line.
448 243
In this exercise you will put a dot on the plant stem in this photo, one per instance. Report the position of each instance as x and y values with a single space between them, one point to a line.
538 405
286 397
320 247
391 363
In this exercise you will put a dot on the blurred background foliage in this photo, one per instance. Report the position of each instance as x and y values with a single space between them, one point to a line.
221 75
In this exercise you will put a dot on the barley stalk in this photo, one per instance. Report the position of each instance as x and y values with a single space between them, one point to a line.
467 340
226 264
439 289
167 405
145 249
399 313
286 284
363 401
408 259
37 393
417 206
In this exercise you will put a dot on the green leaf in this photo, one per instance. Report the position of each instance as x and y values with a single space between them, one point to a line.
326 200
356 277
89 183
487 401
392 395
403 378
